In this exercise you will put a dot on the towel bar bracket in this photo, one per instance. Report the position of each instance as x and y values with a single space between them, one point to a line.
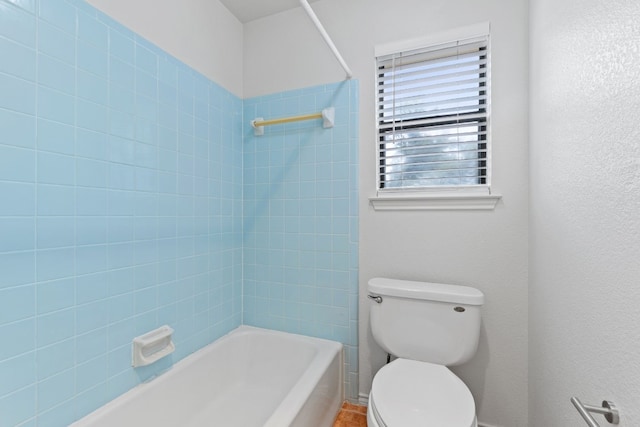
612 415
608 409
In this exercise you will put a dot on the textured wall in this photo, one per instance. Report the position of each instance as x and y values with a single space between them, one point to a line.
301 219
487 250
585 205
120 201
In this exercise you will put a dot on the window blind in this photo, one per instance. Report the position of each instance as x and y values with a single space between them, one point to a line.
432 116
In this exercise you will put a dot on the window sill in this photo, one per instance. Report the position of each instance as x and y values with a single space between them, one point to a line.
436 202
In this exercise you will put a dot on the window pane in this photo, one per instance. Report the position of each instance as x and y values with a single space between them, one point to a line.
432 119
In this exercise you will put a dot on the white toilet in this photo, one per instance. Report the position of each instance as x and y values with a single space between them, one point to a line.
428 326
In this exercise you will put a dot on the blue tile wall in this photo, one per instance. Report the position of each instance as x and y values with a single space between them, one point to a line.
133 194
120 208
301 219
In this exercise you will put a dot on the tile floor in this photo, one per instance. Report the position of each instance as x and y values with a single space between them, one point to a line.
351 416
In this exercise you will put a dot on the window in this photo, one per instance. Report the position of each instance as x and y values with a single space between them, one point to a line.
432 117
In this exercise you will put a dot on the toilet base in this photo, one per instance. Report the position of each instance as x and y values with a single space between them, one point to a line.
373 422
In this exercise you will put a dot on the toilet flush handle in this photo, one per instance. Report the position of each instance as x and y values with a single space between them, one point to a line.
376 298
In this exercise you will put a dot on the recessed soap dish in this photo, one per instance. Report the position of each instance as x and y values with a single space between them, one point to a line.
152 346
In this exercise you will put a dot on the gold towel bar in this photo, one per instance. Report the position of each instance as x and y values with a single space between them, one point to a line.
327 115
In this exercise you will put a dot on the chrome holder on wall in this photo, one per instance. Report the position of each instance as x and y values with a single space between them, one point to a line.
608 409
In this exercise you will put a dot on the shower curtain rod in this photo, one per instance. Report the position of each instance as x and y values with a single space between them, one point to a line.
326 37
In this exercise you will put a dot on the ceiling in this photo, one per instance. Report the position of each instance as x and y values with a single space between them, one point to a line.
249 10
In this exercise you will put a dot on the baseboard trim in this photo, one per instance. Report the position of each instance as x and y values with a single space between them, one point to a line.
485 425
363 399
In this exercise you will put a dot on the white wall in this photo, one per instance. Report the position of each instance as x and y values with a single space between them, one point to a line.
200 33
585 209
483 249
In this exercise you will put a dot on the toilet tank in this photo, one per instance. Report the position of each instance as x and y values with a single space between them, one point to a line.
429 322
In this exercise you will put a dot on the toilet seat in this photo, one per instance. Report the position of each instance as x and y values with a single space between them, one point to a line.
408 393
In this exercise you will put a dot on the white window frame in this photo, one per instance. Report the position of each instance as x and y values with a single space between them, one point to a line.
478 197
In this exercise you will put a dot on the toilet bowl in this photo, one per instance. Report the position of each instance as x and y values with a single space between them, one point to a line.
428 327
408 393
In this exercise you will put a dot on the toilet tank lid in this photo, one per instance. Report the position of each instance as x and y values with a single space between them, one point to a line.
427 291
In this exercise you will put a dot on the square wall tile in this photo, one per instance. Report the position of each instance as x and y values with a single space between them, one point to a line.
300 213
99 210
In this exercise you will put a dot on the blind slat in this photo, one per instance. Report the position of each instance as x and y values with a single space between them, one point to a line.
387 77
439 165
447 173
466 181
423 107
427 155
390 151
428 85
425 140
434 129
402 60
448 115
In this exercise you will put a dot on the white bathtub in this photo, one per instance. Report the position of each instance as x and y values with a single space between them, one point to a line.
249 378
